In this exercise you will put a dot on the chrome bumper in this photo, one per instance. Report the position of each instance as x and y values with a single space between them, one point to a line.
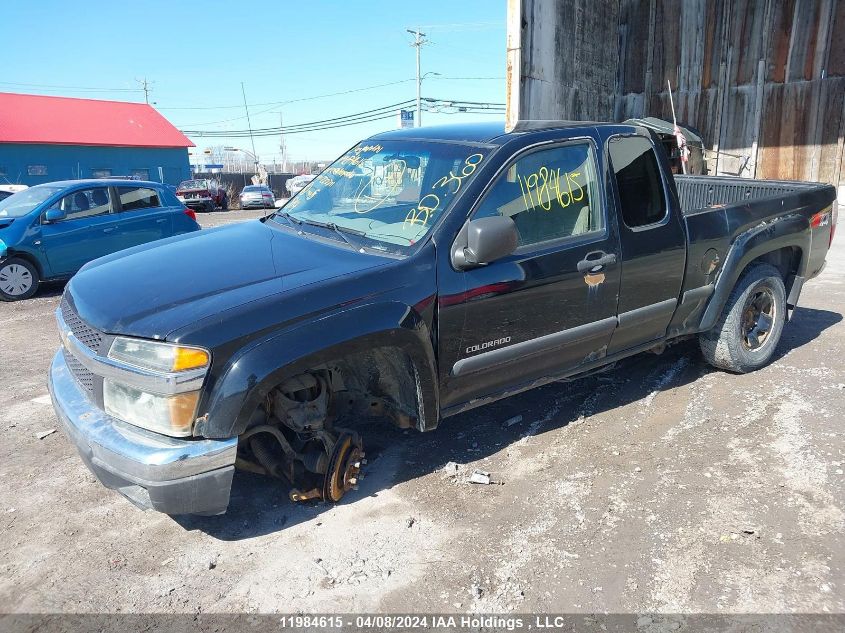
171 475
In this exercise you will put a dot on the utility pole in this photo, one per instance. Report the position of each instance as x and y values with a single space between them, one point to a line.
418 43
249 125
147 87
282 148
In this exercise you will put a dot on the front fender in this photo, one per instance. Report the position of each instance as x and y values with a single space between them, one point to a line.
254 371
785 232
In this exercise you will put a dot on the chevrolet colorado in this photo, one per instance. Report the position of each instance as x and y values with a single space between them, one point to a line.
425 272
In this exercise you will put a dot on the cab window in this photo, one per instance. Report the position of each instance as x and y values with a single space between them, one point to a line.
550 194
86 203
638 181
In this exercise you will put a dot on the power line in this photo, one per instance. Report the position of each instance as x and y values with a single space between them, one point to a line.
52 87
279 103
289 128
367 116
240 134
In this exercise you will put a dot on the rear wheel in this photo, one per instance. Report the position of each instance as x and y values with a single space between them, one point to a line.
749 329
18 279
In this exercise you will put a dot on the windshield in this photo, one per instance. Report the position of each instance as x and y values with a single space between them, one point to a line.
388 192
193 184
23 202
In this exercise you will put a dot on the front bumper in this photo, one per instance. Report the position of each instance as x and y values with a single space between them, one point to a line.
171 475
200 203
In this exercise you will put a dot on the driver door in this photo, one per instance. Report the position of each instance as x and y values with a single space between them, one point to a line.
88 231
550 307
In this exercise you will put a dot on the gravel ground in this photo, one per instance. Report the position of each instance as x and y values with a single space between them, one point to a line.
662 486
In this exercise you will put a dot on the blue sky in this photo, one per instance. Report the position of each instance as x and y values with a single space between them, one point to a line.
196 54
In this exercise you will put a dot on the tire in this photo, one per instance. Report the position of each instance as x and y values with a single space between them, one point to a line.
743 339
224 206
18 279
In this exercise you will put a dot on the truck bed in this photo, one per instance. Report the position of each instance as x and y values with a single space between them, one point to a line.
720 211
698 193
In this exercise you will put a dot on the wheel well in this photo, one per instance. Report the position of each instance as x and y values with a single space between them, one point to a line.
299 431
786 260
32 260
378 382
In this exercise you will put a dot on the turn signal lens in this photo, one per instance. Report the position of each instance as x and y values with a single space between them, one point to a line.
158 356
189 358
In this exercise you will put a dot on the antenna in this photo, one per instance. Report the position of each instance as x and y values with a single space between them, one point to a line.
679 137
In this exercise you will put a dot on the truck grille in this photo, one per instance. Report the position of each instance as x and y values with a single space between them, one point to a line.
83 332
84 377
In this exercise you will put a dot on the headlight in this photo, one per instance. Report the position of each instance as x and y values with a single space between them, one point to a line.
155 356
170 415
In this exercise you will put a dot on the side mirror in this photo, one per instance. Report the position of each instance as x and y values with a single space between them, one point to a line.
54 215
489 239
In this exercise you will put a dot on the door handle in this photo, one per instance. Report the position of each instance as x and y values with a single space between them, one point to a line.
161 220
109 229
595 261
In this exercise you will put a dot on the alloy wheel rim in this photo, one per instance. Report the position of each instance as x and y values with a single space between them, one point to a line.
15 280
758 318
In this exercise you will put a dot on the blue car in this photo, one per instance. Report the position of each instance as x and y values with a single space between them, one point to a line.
50 231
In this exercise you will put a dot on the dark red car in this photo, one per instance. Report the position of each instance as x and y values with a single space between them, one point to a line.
203 195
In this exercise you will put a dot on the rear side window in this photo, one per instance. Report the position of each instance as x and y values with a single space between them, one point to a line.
133 198
638 180
549 194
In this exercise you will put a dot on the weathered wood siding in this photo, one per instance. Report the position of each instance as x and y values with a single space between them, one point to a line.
762 80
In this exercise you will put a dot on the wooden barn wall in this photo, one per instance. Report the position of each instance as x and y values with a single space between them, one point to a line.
566 69
762 80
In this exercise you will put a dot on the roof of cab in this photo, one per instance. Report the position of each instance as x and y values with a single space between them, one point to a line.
100 182
480 132
483 132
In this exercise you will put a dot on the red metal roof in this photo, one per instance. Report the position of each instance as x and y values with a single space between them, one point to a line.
69 121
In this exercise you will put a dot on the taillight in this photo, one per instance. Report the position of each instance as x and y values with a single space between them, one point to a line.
825 218
190 213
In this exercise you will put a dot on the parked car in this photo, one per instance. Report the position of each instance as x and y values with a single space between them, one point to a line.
259 196
205 194
48 232
473 265
297 183
8 190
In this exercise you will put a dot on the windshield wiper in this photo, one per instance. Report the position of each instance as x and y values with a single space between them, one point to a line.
340 230
287 216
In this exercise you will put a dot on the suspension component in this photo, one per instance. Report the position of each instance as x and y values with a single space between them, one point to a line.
320 461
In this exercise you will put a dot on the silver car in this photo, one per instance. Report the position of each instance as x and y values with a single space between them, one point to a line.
257 196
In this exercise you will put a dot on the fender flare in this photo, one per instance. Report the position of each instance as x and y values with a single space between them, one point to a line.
790 231
255 370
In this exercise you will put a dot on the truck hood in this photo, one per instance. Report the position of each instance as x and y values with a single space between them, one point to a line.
154 289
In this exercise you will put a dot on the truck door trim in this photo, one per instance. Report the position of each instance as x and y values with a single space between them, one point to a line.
647 313
537 345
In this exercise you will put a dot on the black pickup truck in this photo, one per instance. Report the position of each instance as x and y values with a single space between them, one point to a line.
425 272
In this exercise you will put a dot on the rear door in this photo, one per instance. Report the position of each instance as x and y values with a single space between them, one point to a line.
88 231
652 238
551 305
143 216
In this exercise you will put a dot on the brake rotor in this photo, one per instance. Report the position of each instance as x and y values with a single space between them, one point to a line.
344 467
